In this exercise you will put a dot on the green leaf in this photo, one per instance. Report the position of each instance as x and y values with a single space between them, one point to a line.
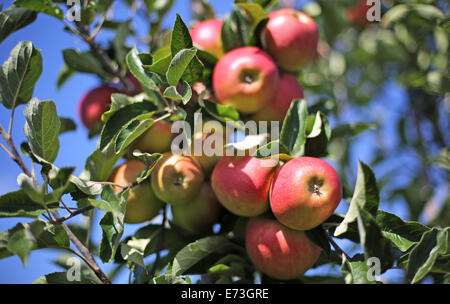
42 128
318 237
355 272
255 10
434 243
170 279
179 64
120 49
25 237
64 74
19 74
221 112
443 159
318 135
42 6
365 197
293 131
13 19
18 204
122 118
181 38
84 62
351 129
150 161
268 151
99 164
67 125
61 278
185 95
228 36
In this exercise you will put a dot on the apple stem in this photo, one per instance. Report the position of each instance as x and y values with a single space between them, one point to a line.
335 246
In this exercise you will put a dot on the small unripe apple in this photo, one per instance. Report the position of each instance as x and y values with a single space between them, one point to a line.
305 191
142 204
93 104
156 139
291 37
207 36
288 89
279 252
242 184
177 179
245 78
198 215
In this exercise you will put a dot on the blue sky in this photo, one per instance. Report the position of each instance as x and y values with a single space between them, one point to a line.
47 34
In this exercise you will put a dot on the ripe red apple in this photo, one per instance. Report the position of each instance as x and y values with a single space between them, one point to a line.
207 36
198 215
279 252
245 78
157 139
142 204
177 179
357 14
304 192
242 184
288 89
93 104
291 37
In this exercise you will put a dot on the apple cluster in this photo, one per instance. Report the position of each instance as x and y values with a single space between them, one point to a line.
279 202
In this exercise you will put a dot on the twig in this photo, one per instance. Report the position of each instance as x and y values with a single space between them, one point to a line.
61 220
160 243
335 246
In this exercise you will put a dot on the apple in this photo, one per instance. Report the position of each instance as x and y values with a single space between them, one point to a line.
207 36
157 139
357 14
242 184
304 192
288 89
198 215
142 204
206 139
245 78
279 252
177 179
291 37
93 104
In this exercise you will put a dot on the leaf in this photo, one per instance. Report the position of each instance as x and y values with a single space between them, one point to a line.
67 125
120 49
318 135
365 197
443 159
19 74
221 112
62 278
132 131
150 161
255 11
99 164
318 237
42 128
351 129
293 131
170 279
355 272
274 148
185 95
42 6
434 243
13 19
181 38
64 74
197 251
250 142
178 65
18 204
84 62
25 237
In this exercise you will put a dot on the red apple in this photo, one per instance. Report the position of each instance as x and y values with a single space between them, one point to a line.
279 252
288 89
291 37
93 104
242 184
357 14
157 139
177 179
245 78
142 204
198 215
304 192
207 36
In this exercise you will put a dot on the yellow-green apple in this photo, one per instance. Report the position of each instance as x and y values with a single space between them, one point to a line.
357 14
291 37
207 138
278 251
245 78
142 204
93 104
207 36
242 184
156 139
177 179
304 192
288 89
200 214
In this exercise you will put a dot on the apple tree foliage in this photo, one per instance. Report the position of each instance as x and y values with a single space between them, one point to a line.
408 48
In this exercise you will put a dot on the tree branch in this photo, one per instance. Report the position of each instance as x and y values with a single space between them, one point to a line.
160 243
335 246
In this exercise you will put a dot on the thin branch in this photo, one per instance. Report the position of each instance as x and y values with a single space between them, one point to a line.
61 220
7 151
160 243
335 246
